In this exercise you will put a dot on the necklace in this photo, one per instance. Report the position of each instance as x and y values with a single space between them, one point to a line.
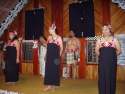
107 38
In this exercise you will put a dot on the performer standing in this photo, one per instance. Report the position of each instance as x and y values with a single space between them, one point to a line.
12 59
52 67
42 55
107 49
72 53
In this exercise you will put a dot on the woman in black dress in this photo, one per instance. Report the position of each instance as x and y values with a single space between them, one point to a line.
12 59
107 49
52 67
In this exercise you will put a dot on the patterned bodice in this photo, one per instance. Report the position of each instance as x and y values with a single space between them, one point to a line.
107 43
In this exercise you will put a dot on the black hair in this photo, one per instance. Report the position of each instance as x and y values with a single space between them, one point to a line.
43 37
15 37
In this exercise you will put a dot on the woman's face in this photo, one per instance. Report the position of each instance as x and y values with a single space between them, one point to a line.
52 32
72 34
11 35
42 40
106 31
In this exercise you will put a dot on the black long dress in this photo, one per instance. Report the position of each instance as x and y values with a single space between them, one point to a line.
52 73
107 69
11 67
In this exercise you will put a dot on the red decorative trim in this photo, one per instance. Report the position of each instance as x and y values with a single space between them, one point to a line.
35 61
57 15
82 64
106 17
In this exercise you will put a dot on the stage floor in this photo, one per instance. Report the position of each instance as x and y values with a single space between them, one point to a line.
30 84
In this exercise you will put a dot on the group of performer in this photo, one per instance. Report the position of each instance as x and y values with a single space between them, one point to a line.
50 51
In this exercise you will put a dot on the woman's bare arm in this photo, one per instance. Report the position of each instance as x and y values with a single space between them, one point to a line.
97 47
118 46
17 45
61 45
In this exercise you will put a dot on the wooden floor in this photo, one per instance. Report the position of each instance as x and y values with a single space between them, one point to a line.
30 84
